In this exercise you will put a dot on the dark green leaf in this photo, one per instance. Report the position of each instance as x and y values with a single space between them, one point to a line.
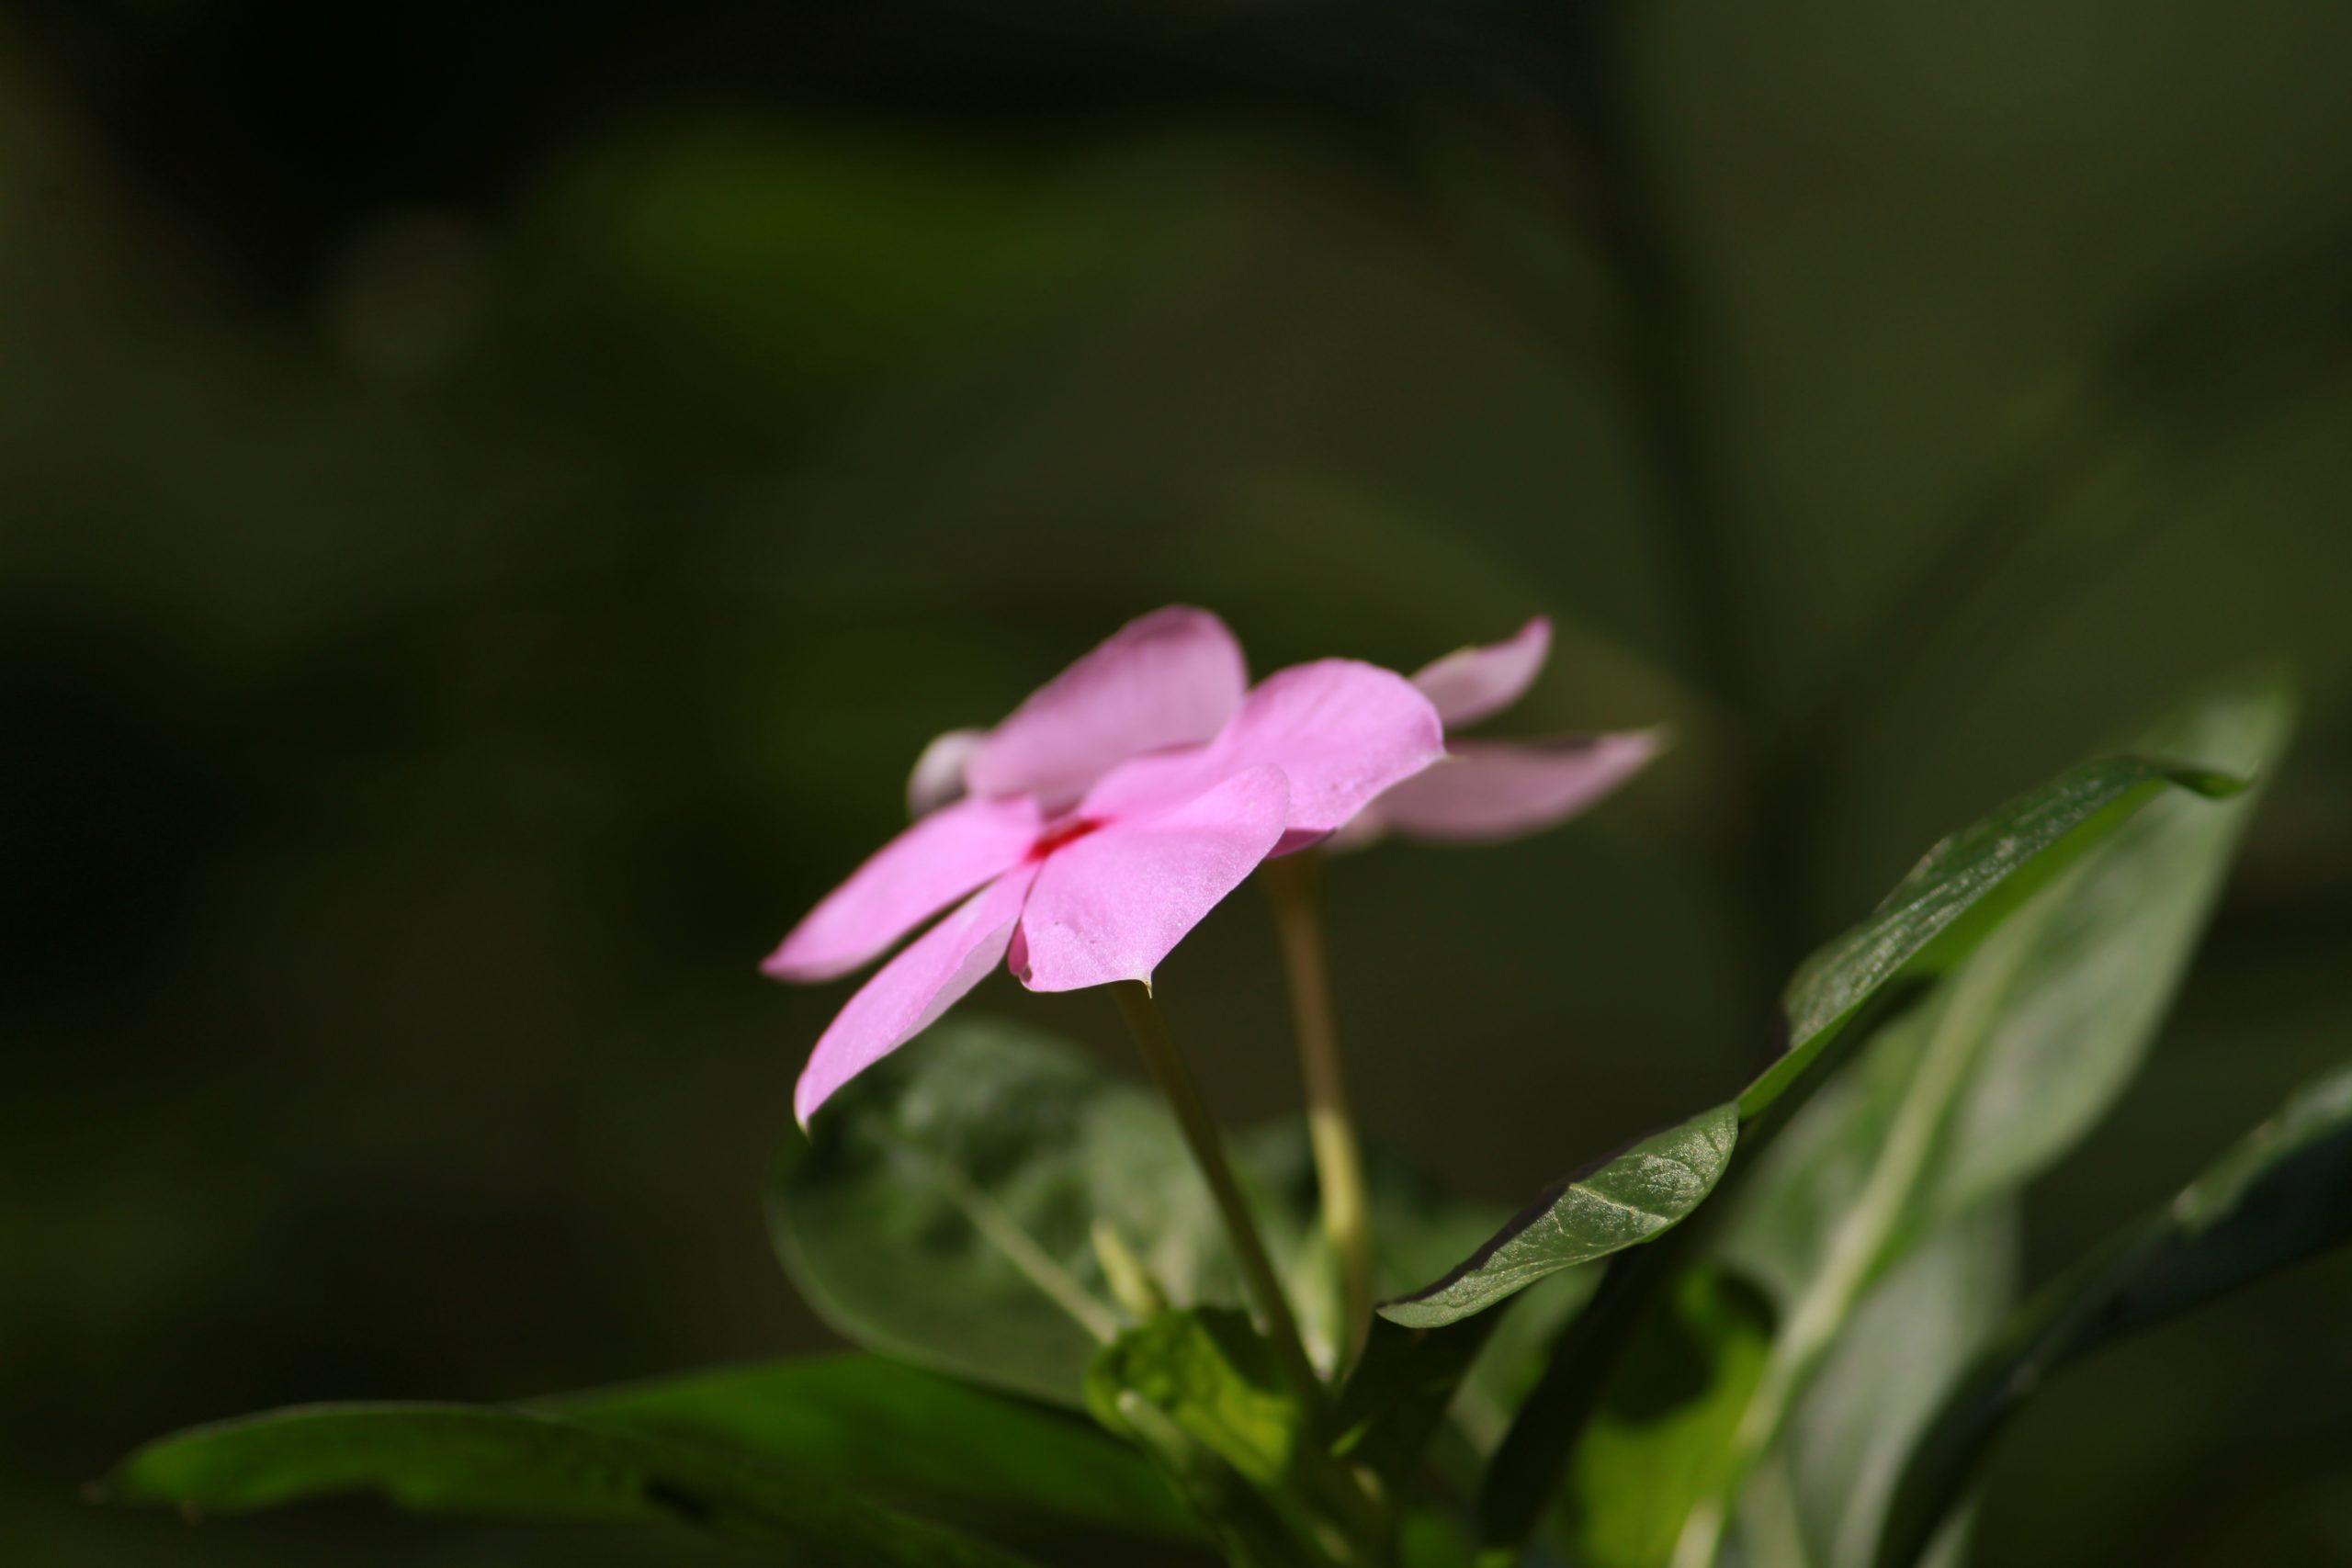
1660 1439
1626 1200
1983 873
1431 1539
1250 1530
2022 1046
2029 1036
2129 918
483 1461
1410 1384
899 1435
1397 1396
2116 936
2281 1195
944 1210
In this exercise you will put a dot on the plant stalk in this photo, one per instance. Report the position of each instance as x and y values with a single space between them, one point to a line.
1295 886
1174 1079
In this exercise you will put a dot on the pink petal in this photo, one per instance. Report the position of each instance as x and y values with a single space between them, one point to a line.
907 995
1172 678
1499 789
1469 683
938 776
1340 731
1112 905
933 863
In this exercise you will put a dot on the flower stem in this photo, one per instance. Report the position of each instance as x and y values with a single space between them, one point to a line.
1175 1081
1295 885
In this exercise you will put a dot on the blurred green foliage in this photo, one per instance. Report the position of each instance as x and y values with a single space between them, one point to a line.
494 506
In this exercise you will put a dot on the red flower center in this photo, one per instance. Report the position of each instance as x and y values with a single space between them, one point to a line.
1069 831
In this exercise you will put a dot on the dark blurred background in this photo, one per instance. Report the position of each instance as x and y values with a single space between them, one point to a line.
493 503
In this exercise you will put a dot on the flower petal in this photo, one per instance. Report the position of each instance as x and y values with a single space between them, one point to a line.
907 995
1112 905
1340 731
1499 789
933 863
938 776
1172 678
1469 683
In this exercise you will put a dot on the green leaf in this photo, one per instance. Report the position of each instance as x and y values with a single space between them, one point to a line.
1982 873
2109 954
1399 1394
1212 1373
1931 921
2020 1046
1877 1387
1461 1381
1251 1532
944 1210
2010 1057
1431 1538
1660 1439
2077 1015
1626 1200
483 1461
899 1435
2282 1195
1207 1374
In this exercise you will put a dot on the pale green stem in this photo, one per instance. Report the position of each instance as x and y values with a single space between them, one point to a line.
1130 1279
1852 1265
1294 883
1175 1081
1770 1528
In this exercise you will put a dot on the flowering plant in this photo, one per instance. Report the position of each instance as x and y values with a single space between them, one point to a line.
1099 1329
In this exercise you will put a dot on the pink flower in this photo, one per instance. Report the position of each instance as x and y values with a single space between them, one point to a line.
1110 813
1488 790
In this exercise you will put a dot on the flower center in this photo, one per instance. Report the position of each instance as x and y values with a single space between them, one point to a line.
1067 831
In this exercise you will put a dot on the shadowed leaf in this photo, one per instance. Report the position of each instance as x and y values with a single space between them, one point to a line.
1625 1201
485 1462
2282 1195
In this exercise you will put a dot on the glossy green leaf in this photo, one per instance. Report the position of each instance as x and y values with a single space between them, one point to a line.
1982 873
1626 1200
1416 1226
1455 1384
2001 1013
899 1435
2009 1058
1932 920
2022 1044
486 1462
2109 954
1413 1386
1660 1439
944 1210
2282 1195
